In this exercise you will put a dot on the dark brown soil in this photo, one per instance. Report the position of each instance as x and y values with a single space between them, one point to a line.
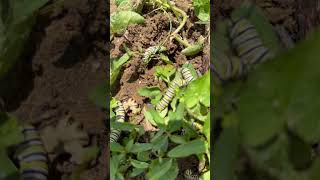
64 59
136 74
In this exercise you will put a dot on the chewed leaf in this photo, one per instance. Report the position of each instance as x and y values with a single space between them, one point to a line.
120 20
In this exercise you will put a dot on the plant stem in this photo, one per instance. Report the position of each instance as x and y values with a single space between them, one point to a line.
181 41
177 10
183 22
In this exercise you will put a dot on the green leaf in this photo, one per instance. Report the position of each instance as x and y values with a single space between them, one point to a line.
198 91
114 165
165 72
193 147
116 67
150 92
121 19
136 171
156 117
225 154
143 156
195 48
148 116
116 147
129 145
99 95
157 170
177 139
139 164
173 171
10 130
161 143
140 147
202 9
165 58
124 126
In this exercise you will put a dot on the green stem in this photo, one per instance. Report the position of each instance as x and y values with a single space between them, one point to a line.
183 22
181 41
177 10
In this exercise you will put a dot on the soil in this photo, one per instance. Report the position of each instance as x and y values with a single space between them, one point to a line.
64 59
136 74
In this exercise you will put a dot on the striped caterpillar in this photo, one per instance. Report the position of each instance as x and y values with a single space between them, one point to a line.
150 52
120 117
171 91
32 156
248 48
168 95
189 175
187 75
247 43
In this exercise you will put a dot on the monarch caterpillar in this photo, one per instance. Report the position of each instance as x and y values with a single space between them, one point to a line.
151 51
120 117
189 175
246 42
168 95
32 156
187 75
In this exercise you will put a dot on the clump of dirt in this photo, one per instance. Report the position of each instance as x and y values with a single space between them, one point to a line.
67 62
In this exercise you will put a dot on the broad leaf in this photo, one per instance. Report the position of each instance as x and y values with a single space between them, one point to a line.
193 147
121 19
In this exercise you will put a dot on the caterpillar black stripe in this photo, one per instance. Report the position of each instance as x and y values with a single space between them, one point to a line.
120 117
189 175
246 42
187 75
168 95
32 156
